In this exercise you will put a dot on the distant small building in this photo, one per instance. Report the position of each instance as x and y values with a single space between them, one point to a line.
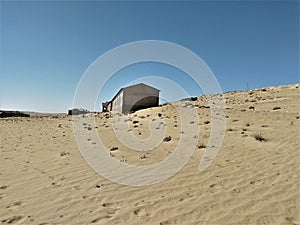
132 98
77 111
4 114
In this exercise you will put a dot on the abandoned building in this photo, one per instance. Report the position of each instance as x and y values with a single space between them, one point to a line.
132 98
77 111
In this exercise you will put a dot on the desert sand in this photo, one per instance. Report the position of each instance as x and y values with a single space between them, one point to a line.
254 180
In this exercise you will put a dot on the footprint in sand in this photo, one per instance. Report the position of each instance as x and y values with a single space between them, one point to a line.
142 212
15 205
13 219
294 220
216 186
111 208
188 195
265 220
257 182
101 219
3 187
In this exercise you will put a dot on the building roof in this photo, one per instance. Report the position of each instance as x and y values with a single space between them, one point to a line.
131 87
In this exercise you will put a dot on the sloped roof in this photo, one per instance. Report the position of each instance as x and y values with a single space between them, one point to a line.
131 87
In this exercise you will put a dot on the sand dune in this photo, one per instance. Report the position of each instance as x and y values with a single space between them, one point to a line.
255 178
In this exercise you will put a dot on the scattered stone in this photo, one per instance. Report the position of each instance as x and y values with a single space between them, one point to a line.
259 137
143 156
64 153
206 122
114 148
236 190
159 114
201 146
167 139
135 121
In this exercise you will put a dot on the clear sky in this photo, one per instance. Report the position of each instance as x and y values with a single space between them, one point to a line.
47 45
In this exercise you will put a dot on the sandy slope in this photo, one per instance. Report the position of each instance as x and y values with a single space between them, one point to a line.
45 180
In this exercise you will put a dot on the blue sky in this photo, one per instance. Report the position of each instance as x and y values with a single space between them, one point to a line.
46 46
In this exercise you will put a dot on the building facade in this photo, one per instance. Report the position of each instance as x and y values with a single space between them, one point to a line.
133 98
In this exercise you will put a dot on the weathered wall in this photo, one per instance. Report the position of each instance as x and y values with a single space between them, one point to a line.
117 103
139 97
